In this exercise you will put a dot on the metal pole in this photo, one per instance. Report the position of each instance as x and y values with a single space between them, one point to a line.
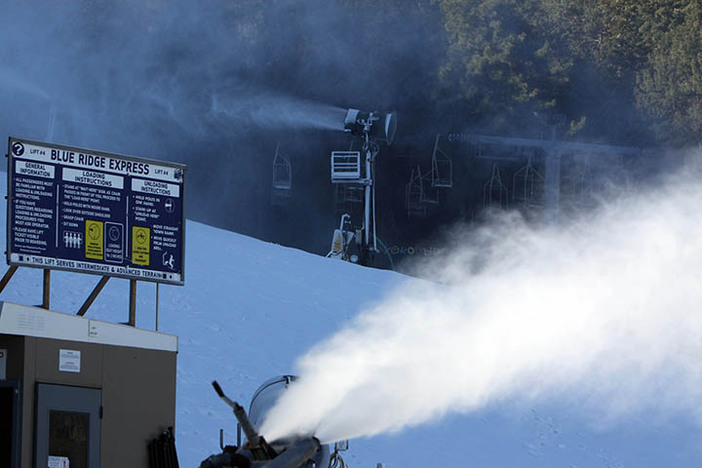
157 285
8 276
369 183
552 185
375 236
132 302
93 295
47 289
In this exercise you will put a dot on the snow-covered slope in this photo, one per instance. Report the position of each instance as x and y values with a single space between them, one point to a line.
249 308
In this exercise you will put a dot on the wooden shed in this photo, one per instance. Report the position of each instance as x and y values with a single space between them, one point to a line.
78 392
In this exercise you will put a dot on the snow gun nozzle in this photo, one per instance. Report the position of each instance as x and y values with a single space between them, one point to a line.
291 451
258 446
296 455
218 389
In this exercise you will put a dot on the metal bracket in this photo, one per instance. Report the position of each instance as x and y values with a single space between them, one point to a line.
93 295
7 277
47 290
132 302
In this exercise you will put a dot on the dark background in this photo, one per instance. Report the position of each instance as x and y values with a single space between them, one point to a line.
219 85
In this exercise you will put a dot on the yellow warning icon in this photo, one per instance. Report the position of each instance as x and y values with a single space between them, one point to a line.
141 240
94 240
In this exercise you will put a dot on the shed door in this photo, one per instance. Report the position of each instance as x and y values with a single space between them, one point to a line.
10 424
67 431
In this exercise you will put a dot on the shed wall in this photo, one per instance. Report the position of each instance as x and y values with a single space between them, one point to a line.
138 391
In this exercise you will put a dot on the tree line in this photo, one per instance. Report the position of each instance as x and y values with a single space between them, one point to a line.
629 70
553 54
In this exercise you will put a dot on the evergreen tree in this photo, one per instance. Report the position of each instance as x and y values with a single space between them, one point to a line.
669 87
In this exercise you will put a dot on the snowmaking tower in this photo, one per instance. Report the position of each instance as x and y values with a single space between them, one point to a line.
358 168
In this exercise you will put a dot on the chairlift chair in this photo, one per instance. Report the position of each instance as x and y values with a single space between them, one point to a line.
351 193
430 192
577 185
282 171
495 194
414 194
347 195
441 167
281 187
528 186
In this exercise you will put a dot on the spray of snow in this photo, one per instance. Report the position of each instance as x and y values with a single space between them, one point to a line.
271 110
13 81
601 312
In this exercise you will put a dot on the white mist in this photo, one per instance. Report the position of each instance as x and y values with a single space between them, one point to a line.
602 312
272 110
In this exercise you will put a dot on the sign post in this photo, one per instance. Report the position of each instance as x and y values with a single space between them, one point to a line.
95 212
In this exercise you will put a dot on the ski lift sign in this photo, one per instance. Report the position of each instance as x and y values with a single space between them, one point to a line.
95 212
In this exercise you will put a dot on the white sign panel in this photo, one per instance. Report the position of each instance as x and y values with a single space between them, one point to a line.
69 360
3 364
59 462
156 187
29 168
99 179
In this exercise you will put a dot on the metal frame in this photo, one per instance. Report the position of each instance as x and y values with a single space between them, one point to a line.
495 186
530 192
554 151
578 184
415 190
349 193
282 172
346 167
440 164
430 192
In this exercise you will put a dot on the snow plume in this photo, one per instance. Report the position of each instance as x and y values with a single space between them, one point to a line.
15 82
271 110
600 313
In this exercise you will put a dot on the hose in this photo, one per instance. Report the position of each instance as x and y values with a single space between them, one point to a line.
335 461
392 264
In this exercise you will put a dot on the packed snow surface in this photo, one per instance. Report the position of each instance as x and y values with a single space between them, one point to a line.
250 309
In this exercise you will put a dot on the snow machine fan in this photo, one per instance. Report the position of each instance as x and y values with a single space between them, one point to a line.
378 125
256 452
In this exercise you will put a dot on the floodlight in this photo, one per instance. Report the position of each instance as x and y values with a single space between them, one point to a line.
378 125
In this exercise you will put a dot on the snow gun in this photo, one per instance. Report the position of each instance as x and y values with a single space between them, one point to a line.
378 125
256 452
